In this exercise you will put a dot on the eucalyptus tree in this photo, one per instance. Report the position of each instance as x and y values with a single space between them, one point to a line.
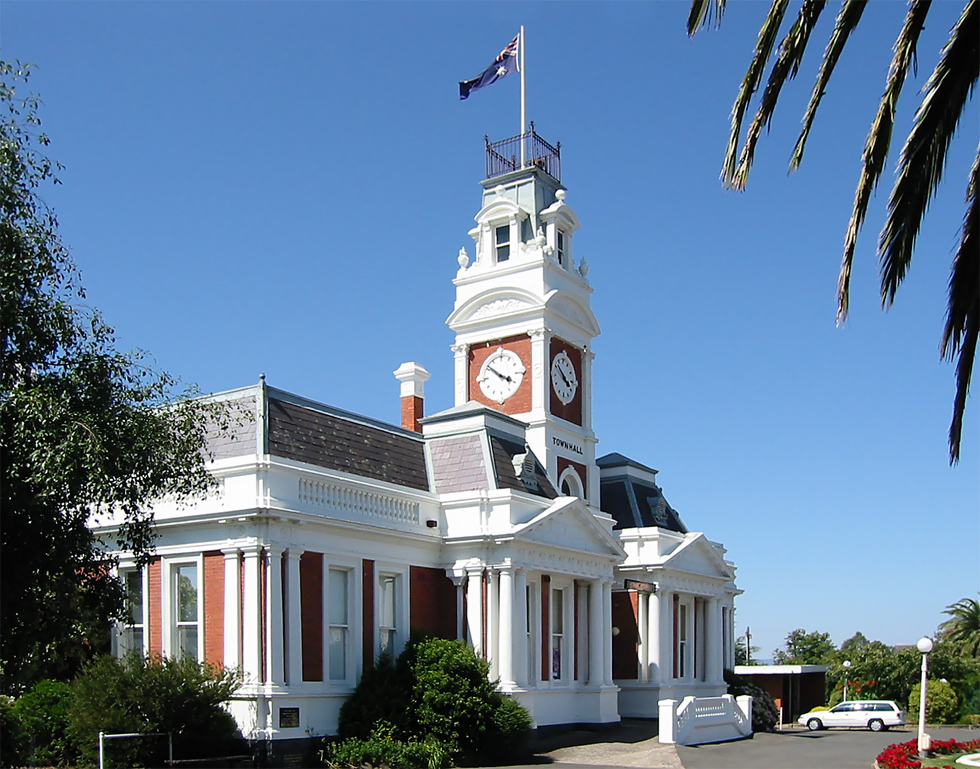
86 431
921 163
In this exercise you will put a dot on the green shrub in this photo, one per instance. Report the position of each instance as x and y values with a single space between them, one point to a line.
142 695
383 748
11 734
43 715
382 694
942 704
437 696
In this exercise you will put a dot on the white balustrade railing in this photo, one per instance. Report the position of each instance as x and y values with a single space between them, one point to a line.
328 495
706 719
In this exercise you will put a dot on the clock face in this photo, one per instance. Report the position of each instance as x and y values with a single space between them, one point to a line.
501 374
563 377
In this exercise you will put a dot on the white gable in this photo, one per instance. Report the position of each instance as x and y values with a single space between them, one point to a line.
699 556
568 524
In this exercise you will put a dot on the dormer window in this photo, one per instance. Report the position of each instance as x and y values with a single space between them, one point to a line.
502 243
560 247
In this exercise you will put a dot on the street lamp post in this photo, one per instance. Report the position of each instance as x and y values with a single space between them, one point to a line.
847 666
924 646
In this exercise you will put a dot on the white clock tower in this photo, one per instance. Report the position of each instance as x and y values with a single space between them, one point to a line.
522 318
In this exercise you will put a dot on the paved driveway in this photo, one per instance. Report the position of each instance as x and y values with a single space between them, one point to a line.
802 749
634 744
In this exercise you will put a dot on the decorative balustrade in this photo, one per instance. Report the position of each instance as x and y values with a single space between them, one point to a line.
333 496
696 720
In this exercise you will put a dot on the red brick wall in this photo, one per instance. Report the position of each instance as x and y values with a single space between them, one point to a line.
433 602
155 577
311 614
626 661
214 607
367 614
520 401
572 411
579 468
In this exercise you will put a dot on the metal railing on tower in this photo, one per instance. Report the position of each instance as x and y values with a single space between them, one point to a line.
504 156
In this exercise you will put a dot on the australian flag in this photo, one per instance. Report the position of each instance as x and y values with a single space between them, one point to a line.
503 65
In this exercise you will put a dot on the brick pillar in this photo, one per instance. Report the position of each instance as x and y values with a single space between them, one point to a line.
412 377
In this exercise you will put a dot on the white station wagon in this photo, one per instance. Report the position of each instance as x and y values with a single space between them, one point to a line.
876 715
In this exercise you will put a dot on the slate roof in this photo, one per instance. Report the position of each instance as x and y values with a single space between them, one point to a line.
532 478
632 502
458 464
336 441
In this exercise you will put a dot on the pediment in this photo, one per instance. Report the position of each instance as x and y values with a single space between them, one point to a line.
507 303
574 310
569 524
499 208
698 556
561 214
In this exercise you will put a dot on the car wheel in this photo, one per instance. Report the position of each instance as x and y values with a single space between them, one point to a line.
876 725
814 724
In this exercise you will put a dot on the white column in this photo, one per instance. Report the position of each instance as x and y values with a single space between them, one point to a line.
492 623
666 657
294 620
474 608
520 626
607 632
251 614
460 628
460 359
712 649
273 616
596 635
643 629
506 638
233 609
653 636
540 376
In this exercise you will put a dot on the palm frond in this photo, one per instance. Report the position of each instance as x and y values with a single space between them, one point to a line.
878 143
963 625
787 65
848 18
963 308
923 158
753 76
703 12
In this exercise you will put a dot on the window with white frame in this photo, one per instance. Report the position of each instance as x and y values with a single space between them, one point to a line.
131 635
557 634
388 612
502 243
184 600
560 247
338 615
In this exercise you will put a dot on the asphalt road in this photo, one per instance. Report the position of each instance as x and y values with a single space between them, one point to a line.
802 749
634 744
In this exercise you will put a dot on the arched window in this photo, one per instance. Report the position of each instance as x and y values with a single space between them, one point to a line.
570 484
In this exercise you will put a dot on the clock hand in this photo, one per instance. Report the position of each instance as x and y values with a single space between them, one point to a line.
502 376
564 378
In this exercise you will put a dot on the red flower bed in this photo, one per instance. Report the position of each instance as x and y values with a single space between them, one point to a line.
905 755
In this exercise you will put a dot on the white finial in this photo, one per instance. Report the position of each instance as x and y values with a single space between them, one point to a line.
463 258
499 190
560 196
539 238
583 267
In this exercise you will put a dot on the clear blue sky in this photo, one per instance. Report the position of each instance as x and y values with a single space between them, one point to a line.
284 187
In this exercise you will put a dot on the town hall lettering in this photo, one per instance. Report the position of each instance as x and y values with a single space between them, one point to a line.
570 446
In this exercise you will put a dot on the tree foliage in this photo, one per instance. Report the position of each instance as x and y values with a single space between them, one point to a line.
804 648
962 629
84 432
922 161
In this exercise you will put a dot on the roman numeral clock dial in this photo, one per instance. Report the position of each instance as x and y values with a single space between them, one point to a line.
501 374
563 377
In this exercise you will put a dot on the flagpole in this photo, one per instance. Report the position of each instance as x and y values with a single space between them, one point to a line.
523 97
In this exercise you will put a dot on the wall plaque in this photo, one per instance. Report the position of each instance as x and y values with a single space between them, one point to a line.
288 718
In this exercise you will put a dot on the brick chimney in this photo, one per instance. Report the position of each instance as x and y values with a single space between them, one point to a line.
412 376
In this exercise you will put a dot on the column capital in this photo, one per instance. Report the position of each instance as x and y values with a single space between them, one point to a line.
274 550
539 333
459 349
293 553
251 550
230 552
